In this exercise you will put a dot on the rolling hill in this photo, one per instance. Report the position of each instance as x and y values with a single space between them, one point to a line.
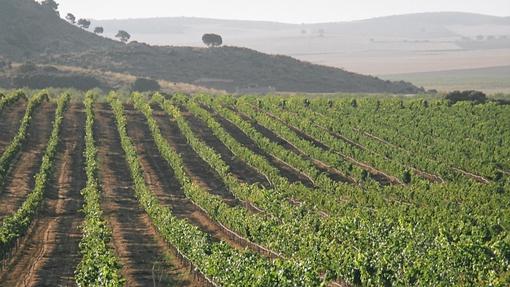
43 37
411 43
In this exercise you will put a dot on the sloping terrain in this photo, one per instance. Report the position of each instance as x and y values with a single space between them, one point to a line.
176 205
411 43
43 37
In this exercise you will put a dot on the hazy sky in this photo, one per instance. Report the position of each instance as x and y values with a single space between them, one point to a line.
292 11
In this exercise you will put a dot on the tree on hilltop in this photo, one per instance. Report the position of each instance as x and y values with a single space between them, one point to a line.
99 30
123 36
71 18
212 40
84 23
50 4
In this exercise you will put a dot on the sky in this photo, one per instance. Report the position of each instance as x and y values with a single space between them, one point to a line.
289 11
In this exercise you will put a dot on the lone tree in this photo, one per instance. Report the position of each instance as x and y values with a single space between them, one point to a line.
212 40
50 4
98 30
123 36
84 23
70 17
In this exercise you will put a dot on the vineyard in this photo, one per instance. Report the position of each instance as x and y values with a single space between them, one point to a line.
177 190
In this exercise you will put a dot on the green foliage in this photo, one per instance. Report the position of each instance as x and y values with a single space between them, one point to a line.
373 222
449 232
214 260
6 100
14 226
406 177
99 265
16 143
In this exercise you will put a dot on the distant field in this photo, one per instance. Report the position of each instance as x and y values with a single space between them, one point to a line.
490 80
380 46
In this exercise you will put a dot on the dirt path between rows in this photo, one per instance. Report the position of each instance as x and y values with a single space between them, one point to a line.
197 168
20 178
285 170
160 178
376 174
327 169
10 119
239 168
50 253
146 258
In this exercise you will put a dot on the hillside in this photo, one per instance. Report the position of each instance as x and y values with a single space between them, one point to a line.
45 38
182 30
489 80
29 30
411 43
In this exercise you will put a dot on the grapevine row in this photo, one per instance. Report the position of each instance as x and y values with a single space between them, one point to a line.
371 227
213 259
99 266
16 225
6 100
16 143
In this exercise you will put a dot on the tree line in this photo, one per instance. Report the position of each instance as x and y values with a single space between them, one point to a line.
209 39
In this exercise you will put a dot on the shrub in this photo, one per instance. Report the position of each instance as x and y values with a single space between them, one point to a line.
145 85
471 95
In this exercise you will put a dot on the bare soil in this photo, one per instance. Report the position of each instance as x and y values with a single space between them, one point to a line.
330 171
196 167
285 170
10 119
162 182
238 167
146 258
376 174
49 253
20 178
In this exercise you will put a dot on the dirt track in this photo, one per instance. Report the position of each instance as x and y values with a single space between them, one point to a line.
50 253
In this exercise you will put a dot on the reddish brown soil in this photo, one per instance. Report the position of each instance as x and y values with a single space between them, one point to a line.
146 258
162 182
10 118
285 170
374 173
195 166
50 252
330 171
237 166
20 179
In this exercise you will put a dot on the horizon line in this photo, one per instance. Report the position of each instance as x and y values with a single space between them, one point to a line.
294 23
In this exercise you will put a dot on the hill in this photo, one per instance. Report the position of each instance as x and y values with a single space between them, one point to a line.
412 43
489 80
45 38
29 30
